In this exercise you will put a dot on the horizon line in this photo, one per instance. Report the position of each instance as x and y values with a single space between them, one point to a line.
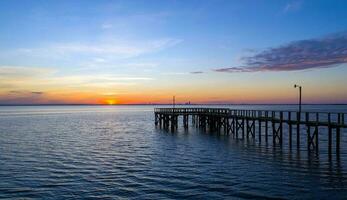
166 104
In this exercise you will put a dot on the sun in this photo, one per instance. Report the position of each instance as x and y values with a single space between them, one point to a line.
110 101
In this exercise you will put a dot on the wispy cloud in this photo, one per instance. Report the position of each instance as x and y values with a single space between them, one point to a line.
144 21
37 93
105 50
20 72
174 73
292 6
106 26
22 97
24 92
197 72
127 49
299 55
142 64
14 80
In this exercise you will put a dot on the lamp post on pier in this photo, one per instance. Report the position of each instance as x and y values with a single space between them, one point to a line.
300 88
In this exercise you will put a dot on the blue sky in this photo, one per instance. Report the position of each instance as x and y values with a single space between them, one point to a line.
121 47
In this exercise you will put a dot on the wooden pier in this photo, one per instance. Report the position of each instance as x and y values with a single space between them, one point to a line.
261 124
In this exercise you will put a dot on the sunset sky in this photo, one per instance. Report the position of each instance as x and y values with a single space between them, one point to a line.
132 52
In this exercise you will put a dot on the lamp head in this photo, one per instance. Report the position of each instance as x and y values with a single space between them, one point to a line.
295 85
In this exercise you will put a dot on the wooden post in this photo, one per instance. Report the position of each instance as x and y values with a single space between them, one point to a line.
298 121
266 126
164 121
338 140
330 137
259 130
243 128
338 134
273 133
227 126
235 126
247 127
281 128
187 120
172 122
317 132
308 131
253 128
290 129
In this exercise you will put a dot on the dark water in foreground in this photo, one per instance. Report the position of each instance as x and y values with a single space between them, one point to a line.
111 152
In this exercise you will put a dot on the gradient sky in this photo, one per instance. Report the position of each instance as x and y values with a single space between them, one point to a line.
118 52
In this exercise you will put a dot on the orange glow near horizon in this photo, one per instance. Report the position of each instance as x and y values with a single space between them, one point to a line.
196 91
110 102
198 96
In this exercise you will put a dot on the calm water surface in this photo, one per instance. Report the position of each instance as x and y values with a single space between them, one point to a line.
116 152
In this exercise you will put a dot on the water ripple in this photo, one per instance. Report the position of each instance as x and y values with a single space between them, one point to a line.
117 153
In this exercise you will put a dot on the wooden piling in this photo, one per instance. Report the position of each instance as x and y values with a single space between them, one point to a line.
266 126
330 134
290 127
298 121
308 131
338 133
317 133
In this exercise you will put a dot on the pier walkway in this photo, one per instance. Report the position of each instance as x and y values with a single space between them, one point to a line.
260 123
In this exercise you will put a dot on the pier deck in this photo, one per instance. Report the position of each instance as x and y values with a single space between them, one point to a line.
267 123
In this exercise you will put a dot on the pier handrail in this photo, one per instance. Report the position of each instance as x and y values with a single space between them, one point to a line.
321 112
